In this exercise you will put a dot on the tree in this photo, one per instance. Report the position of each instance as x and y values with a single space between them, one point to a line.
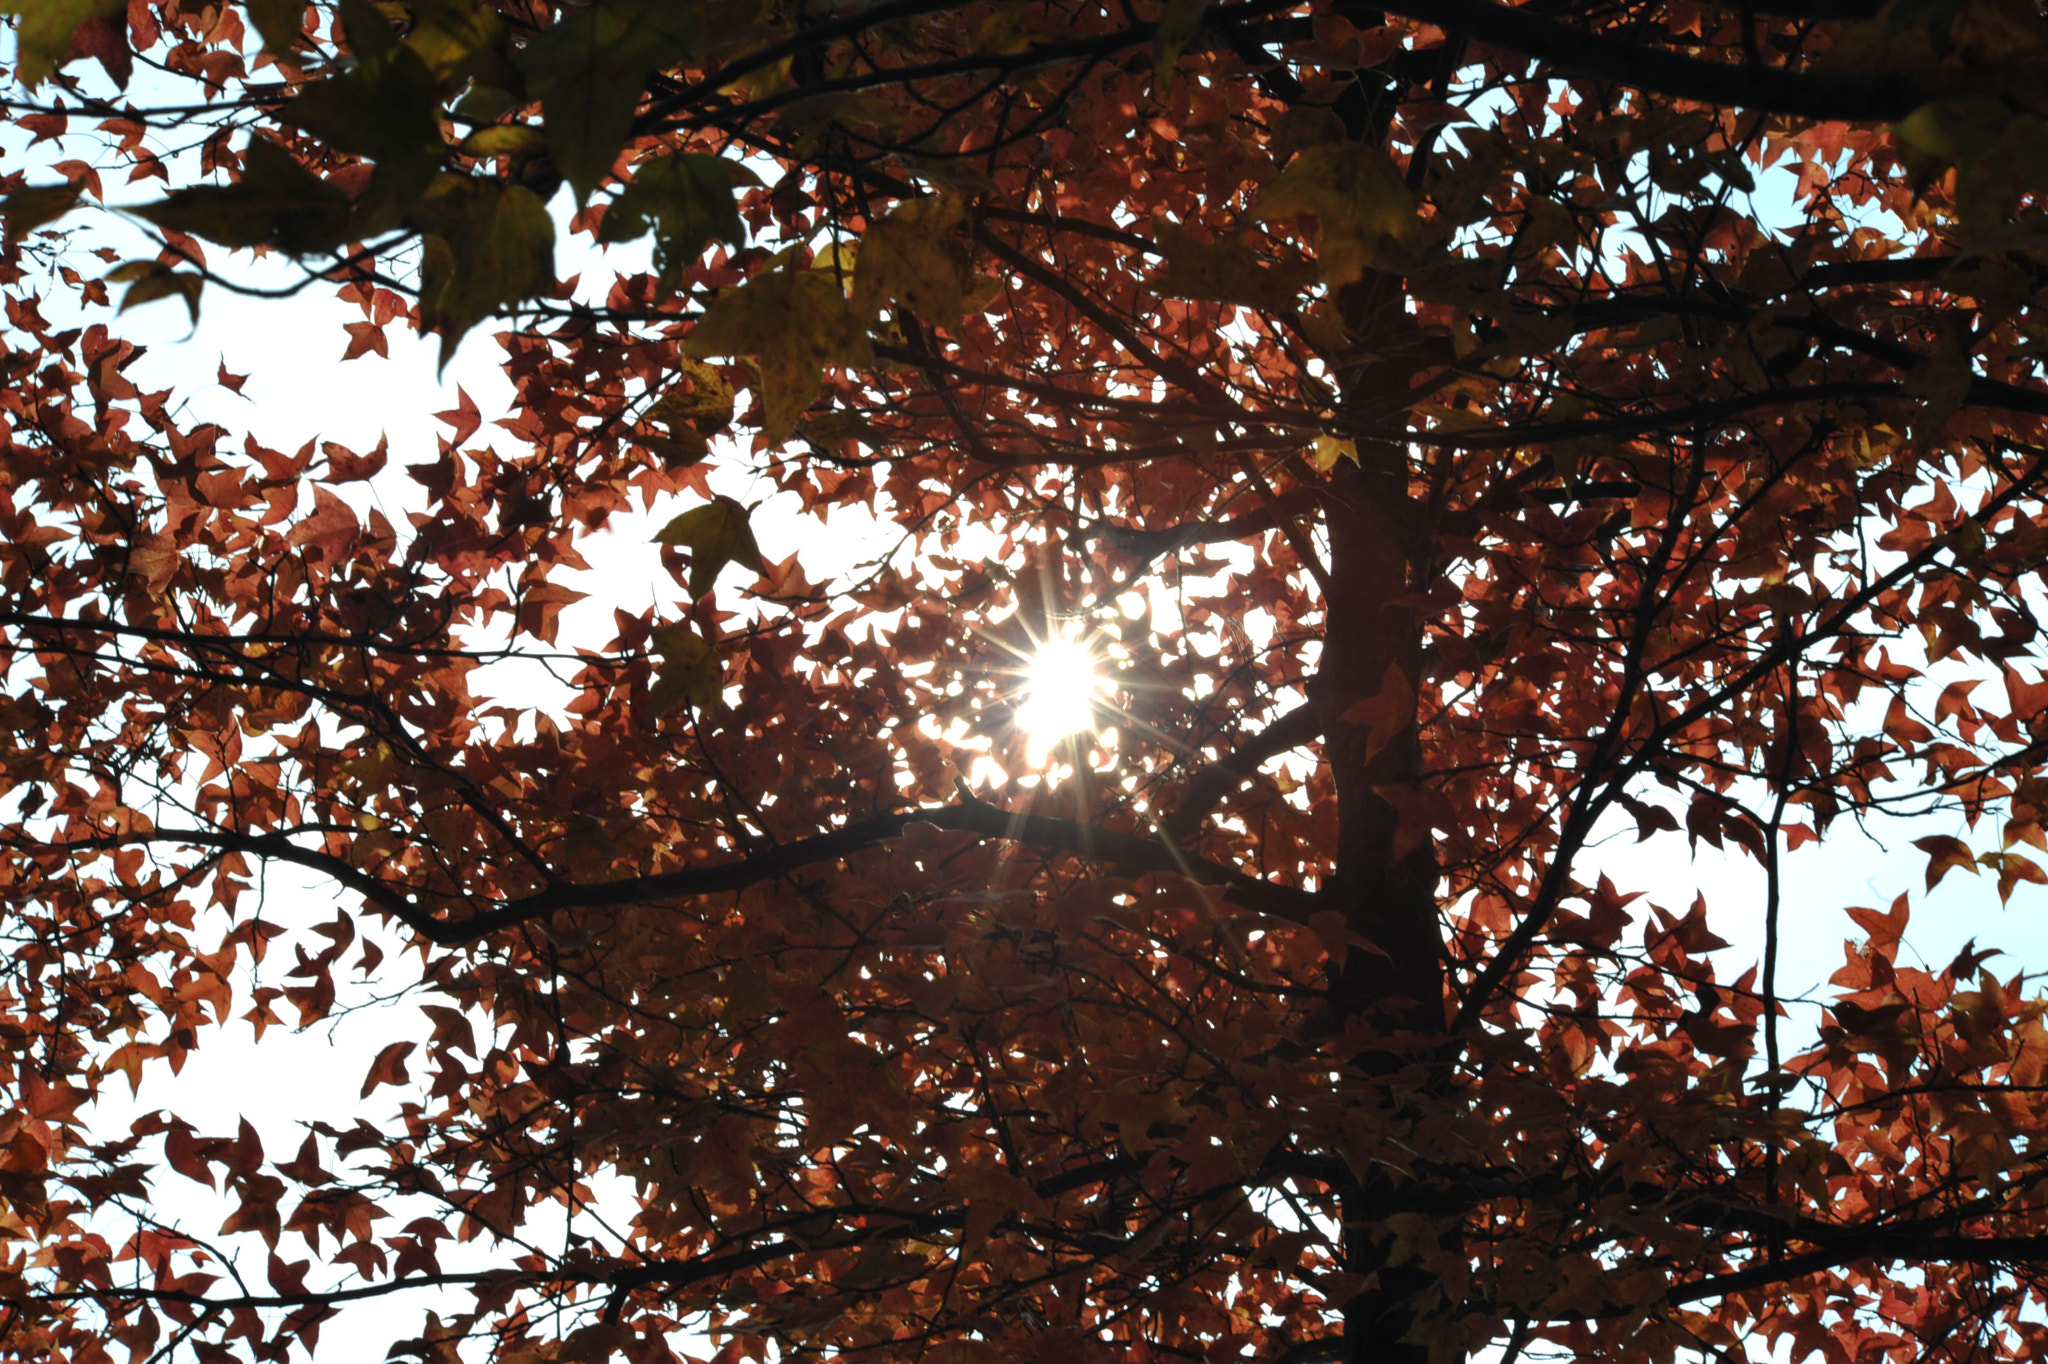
1566 489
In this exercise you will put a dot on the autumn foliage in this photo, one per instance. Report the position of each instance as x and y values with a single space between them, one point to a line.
1467 431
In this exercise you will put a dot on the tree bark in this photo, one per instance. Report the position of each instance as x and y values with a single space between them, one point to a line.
1386 868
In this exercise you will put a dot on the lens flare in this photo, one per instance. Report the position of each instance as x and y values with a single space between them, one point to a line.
1062 690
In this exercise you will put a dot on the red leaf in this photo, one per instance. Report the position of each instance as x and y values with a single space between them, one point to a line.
463 417
364 338
389 1067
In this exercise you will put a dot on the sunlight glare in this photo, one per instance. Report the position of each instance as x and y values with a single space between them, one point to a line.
1061 691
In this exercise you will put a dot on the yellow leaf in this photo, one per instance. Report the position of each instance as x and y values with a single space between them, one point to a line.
1223 271
42 38
1330 449
504 139
1957 129
689 670
458 38
917 257
708 395
1008 29
791 324
1365 217
716 534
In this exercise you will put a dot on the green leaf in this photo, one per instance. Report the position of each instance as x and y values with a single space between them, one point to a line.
588 72
277 202
504 139
686 200
1224 271
42 36
716 534
370 35
387 109
25 210
1957 129
485 244
1364 215
459 39
280 23
917 257
1180 22
150 280
689 670
791 324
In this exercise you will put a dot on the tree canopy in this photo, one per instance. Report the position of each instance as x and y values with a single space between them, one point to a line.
1464 431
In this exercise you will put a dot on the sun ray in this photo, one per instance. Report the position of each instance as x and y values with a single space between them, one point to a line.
1063 690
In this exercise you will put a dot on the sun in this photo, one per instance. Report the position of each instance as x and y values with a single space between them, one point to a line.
1063 690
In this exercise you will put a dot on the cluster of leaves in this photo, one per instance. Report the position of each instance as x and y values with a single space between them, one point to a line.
1563 490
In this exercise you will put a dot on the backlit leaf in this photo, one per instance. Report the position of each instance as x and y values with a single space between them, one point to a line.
716 534
791 324
275 202
1329 449
281 23
149 281
485 244
916 256
25 210
1224 271
1365 216
387 109
458 38
588 72
689 670
686 200
43 32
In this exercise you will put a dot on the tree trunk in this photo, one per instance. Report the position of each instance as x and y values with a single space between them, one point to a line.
1386 868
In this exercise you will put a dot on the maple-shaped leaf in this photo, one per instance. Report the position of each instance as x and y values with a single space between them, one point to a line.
280 23
1944 854
389 1067
689 668
43 32
1365 216
150 280
25 210
275 202
686 200
915 255
387 108
588 72
791 324
1223 271
716 534
485 244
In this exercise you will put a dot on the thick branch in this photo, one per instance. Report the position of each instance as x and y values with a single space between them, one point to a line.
1572 49
1127 853
1150 544
1226 774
